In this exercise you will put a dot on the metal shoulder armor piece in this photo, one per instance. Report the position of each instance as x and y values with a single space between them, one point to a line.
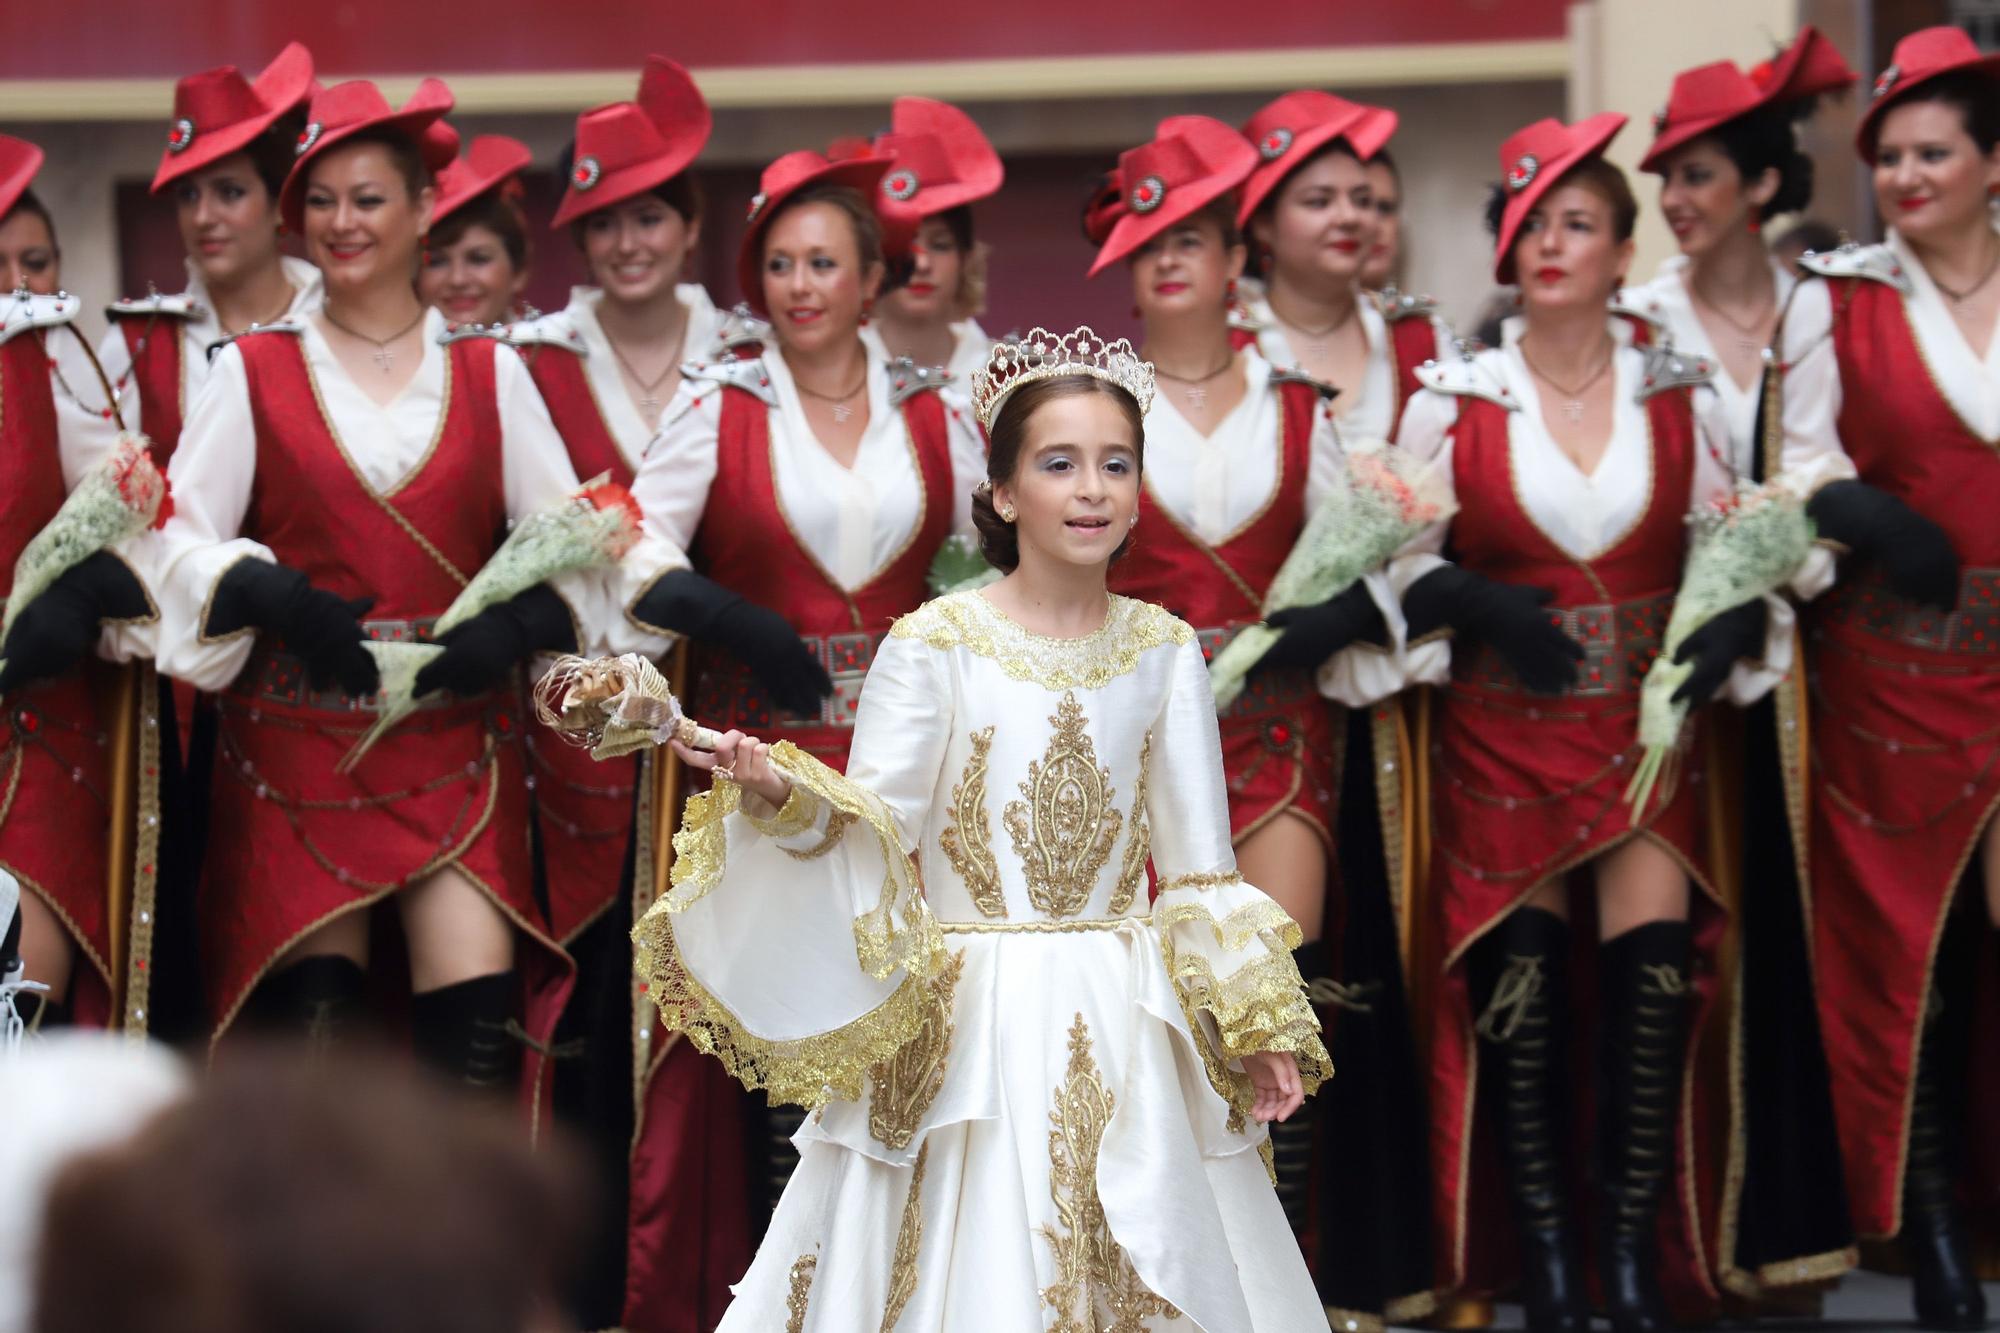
1293 375
738 328
908 379
1875 262
544 331
25 310
1669 369
1466 375
291 326
730 373
1640 304
458 333
173 305
1397 306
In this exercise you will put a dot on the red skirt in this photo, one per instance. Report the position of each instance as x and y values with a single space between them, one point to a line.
583 808
1282 749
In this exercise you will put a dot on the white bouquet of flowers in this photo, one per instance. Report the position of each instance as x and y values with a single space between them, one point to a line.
121 497
614 706
1742 547
1389 497
592 529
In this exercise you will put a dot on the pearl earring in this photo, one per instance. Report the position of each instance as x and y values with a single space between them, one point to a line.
1007 514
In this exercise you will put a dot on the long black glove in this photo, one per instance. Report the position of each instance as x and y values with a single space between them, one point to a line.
1506 616
56 629
686 603
1913 552
1717 645
1314 633
322 630
479 654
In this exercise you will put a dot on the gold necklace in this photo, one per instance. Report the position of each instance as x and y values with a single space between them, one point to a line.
385 355
1572 408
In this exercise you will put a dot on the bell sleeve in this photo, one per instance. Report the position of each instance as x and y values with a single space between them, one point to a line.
1228 947
795 945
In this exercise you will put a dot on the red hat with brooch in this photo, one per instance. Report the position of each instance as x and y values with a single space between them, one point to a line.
1294 127
346 109
1922 56
19 161
798 171
1533 161
219 112
1191 162
627 148
939 158
492 162
1711 96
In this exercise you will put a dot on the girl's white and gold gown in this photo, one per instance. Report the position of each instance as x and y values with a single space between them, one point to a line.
1032 1109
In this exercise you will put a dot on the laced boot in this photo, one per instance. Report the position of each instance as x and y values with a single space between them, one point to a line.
467 1031
318 1000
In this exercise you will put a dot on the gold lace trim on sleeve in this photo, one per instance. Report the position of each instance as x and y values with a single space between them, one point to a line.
801 808
1132 874
1065 826
1220 879
968 840
837 824
902 1087
967 620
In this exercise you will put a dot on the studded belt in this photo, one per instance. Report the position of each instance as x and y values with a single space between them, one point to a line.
1620 641
729 695
1264 691
275 676
1971 630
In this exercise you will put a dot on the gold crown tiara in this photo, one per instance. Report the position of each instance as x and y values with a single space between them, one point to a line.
1041 355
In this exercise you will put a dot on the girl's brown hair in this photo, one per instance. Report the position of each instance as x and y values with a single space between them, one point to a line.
998 539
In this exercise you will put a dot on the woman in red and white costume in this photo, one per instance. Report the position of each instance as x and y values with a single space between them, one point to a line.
476 256
1308 210
361 460
1894 355
1240 455
812 486
1577 458
54 829
942 166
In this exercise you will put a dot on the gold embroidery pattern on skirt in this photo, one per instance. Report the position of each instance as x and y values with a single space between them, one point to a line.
1094 1278
902 1087
909 1239
795 1301
1140 845
968 843
1065 828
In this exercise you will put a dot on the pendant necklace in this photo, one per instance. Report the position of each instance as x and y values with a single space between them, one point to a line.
1960 297
1748 333
649 395
1196 391
1572 407
841 402
384 354
1317 339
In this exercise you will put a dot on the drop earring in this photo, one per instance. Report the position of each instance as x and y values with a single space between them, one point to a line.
1756 225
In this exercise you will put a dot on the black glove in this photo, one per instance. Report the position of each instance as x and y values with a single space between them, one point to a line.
54 631
1506 616
1718 645
1913 552
322 630
479 654
686 603
1314 633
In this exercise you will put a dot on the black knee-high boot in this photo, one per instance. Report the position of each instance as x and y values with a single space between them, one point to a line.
318 999
1292 1140
1943 1282
1646 999
462 1031
1520 991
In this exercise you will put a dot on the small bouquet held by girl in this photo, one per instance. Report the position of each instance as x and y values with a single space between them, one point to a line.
592 529
1387 499
1741 548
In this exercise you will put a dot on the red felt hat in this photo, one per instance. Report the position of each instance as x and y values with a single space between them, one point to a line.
1917 59
940 159
346 109
1533 161
1191 162
1297 125
627 148
491 163
219 112
19 161
1711 96
796 171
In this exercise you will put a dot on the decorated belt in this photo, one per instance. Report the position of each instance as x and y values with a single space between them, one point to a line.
1263 691
730 696
1620 641
1045 925
1971 630
278 677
